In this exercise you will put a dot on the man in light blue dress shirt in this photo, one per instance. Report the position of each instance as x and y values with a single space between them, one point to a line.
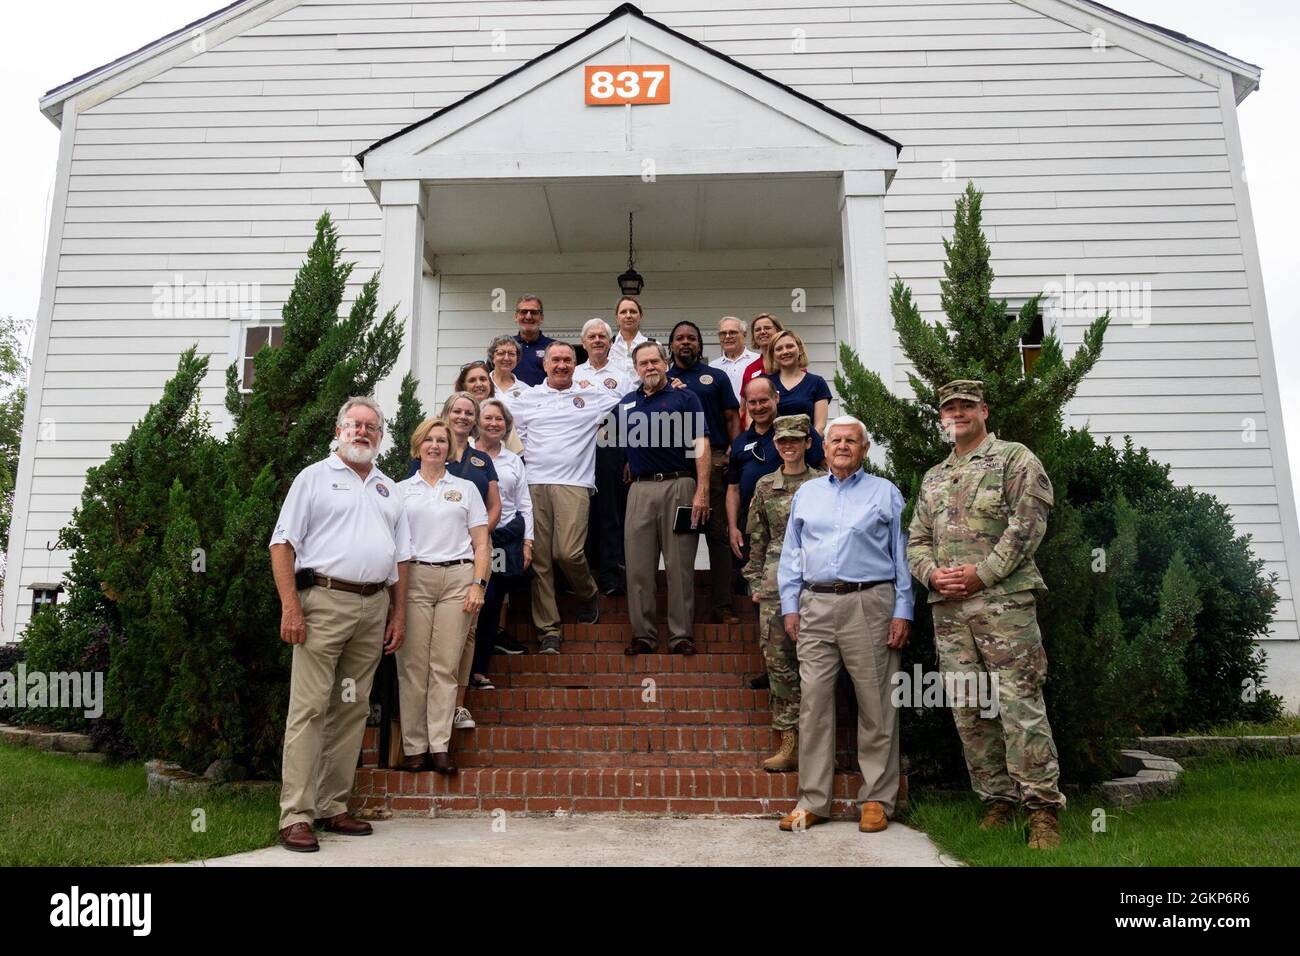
846 596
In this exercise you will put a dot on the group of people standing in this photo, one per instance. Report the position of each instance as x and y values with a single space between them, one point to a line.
499 502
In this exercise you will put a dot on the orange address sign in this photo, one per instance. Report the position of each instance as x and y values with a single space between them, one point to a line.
619 85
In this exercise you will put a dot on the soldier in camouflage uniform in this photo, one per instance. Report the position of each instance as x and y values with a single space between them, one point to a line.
979 518
769 513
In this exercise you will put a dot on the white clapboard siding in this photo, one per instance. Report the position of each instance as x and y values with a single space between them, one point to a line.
1101 164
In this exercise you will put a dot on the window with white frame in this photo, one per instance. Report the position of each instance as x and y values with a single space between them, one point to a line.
256 338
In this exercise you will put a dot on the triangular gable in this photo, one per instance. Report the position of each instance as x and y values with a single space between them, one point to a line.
534 121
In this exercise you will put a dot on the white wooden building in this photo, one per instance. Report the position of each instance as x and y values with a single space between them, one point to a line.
808 150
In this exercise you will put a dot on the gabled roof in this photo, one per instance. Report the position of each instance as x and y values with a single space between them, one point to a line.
52 100
628 9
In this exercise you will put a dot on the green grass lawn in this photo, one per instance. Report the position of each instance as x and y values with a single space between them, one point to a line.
1243 812
1284 727
60 811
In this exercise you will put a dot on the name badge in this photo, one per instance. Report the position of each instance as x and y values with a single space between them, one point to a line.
629 405
340 486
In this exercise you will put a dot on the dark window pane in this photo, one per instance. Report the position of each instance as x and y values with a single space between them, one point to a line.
248 373
277 336
255 339
1030 354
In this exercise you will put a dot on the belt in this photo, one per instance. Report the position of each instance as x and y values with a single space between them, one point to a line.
335 584
445 564
844 587
664 475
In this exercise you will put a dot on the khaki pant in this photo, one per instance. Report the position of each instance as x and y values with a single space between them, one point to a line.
647 532
718 536
329 700
849 631
559 539
429 658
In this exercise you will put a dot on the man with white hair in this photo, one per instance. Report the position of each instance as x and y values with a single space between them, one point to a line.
563 417
735 357
846 598
339 554
605 530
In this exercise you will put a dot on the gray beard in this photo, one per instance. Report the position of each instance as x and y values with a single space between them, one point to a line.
357 456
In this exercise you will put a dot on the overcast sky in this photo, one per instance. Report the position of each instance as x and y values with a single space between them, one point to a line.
48 43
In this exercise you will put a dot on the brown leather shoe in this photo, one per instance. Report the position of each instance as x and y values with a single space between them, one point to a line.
413 764
299 838
346 824
798 819
638 645
685 646
873 817
442 763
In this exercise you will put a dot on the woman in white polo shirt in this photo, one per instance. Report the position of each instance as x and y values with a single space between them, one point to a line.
512 541
450 555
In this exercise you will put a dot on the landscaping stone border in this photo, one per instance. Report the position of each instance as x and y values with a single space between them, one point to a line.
1147 775
1276 746
61 742
163 777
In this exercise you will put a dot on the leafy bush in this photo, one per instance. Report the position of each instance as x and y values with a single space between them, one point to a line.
170 568
1154 602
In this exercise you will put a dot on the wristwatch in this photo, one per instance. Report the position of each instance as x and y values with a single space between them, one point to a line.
481 582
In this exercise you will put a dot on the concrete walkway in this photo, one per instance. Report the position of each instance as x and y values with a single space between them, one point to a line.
600 840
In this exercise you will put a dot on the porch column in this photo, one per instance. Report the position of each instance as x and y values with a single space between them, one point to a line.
866 279
401 279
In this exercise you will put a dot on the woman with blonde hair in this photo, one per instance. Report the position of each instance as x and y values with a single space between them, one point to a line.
450 559
512 541
799 391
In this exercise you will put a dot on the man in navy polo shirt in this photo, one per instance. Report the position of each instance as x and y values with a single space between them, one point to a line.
532 343
713 388
662 429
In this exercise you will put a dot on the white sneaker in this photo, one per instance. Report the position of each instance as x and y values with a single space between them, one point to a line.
463 720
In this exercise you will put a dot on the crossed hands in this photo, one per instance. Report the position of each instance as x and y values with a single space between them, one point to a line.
956 583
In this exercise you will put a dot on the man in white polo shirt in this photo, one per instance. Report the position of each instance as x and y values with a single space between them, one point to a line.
735 357
339 554
605 529
562 417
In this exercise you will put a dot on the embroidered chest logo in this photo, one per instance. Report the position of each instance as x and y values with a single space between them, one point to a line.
477 462
452 495
706 379
382 489
578 402
611 383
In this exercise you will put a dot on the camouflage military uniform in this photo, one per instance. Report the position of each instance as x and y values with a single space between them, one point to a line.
989 508
769 513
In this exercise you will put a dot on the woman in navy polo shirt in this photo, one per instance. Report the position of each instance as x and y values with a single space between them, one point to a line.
799 391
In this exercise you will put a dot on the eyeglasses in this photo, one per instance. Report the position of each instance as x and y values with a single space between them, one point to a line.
528 311
366 427
729 335
478 363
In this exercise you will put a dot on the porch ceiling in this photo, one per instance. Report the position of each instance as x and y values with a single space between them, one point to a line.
704 213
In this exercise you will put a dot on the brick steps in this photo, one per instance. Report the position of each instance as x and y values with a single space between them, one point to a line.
573 670
665 790
594 730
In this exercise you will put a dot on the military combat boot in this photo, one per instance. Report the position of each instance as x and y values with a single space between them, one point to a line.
787 755
1044 831
999 814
